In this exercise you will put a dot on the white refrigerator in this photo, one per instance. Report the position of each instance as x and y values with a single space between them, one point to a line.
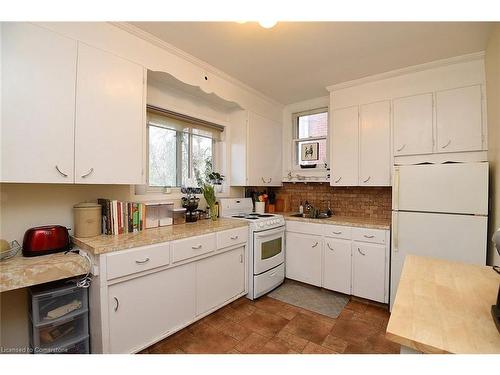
441 211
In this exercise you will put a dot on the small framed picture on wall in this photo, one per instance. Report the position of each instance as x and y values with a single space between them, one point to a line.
309 151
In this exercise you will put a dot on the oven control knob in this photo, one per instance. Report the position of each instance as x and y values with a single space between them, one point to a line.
261 225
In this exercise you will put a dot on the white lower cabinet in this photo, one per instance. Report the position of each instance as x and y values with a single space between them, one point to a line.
138 296
349 260
337 265
303 257
146 308
369 271
219 278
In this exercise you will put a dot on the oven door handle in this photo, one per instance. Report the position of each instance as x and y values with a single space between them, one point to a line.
269 232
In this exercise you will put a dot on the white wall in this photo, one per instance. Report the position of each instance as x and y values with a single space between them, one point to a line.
492 63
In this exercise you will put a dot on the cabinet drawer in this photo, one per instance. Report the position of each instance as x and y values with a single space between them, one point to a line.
303 227
368 235
232 237
337 231
193 247
136 260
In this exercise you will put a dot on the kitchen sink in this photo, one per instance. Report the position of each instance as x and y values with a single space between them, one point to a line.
301 215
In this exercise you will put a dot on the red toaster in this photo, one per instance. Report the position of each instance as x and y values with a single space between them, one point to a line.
46 240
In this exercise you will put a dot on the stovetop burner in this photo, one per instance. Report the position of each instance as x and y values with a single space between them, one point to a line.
251 216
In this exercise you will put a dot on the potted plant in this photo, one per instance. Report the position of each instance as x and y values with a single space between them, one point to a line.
209 195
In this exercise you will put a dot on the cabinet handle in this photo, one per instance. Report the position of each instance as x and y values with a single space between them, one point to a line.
447 144
88 173
316 244
142 261
328 244
60 172
367 236
338 179
117 303
368 179
234 237
401 148
241 258
359 251
266 182
197 247
336 232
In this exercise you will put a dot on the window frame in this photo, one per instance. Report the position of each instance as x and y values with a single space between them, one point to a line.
160 189
296 140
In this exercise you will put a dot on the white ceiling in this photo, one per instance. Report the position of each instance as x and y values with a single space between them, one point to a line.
295 61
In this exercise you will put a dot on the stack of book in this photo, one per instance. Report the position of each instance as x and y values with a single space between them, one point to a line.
122 217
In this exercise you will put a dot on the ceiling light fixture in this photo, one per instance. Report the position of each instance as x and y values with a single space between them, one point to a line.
267 24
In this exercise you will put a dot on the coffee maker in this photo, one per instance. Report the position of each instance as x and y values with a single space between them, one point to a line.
495 309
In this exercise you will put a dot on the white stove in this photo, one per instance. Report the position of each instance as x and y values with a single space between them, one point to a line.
266 260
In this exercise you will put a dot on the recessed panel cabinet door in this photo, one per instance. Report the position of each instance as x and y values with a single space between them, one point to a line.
219 278
148 307
264 151
303 258
375 144
110 123
344 147
38 74
413 125
459 119
368 271
337 265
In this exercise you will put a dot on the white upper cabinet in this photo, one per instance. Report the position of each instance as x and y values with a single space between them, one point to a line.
38 105
110 112
413 125
375 144
459 119
264 151
256 151
344 147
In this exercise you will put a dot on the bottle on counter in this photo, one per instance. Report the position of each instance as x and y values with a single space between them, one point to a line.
301 208
216 209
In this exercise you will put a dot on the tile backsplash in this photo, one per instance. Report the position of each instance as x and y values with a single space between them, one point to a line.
357 201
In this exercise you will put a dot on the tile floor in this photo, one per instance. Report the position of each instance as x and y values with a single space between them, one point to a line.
269 326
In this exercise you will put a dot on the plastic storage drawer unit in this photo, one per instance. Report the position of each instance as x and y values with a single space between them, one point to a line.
59 316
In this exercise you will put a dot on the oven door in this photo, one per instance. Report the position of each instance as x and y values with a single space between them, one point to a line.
269 249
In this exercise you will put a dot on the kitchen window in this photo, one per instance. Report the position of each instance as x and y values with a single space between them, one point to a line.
310 129
181 149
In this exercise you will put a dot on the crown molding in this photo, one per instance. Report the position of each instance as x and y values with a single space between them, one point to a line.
408 70
144 35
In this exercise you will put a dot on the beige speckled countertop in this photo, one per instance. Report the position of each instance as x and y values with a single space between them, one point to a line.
344 220
106 243
19 272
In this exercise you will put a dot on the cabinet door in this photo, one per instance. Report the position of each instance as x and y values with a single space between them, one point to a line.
146 308
303 258
219 278
368 271
38 73
344 147
413 125
109 119
459 119
375 144
337 265
264 151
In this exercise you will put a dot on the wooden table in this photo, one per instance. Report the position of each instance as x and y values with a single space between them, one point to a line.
445 307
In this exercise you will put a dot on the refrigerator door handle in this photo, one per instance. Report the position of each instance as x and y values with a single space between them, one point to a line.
395 234
396 189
